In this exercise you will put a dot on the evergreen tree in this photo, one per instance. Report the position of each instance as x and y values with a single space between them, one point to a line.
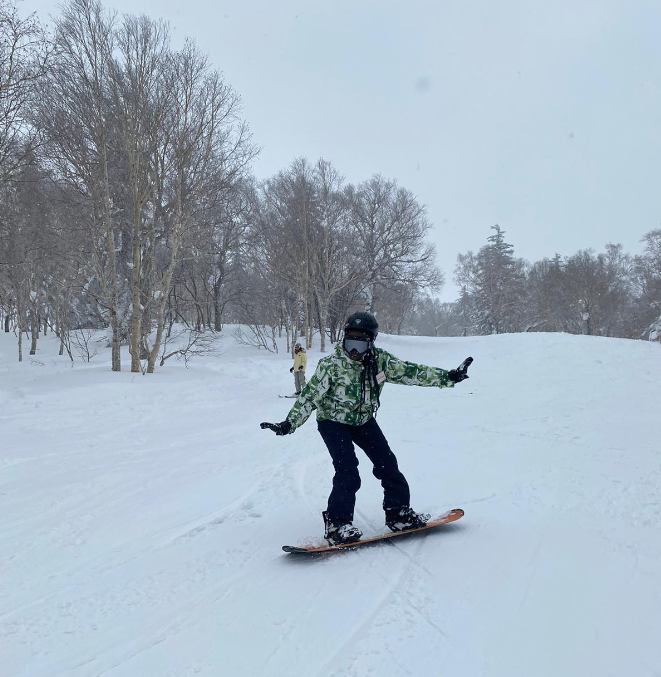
494 279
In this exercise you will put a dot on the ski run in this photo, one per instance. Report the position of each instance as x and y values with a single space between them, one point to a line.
143 518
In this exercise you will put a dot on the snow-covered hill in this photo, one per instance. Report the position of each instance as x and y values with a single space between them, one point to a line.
142 518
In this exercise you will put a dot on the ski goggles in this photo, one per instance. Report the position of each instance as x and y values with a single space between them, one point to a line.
359 345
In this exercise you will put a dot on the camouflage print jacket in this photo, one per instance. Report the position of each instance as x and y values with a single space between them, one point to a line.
334 390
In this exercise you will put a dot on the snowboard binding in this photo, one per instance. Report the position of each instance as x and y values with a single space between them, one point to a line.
405 518
340 533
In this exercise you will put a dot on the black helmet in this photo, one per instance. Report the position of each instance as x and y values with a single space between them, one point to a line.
363 321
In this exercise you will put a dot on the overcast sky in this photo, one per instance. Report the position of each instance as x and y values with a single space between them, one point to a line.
543 117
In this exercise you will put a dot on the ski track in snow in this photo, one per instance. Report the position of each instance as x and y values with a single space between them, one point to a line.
143 519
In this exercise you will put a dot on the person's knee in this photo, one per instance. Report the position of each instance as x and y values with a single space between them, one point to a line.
386 468
348 478
354 482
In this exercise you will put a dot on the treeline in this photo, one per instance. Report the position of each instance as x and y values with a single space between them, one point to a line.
127 202
604 294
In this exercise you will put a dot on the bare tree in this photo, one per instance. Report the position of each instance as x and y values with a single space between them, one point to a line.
208 278
205 149
141 96
597 288
195 344
334 265
76 114
389 227
24 56
280 243
647 283
82 341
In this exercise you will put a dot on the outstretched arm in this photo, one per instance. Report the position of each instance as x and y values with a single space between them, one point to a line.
305 404
310 397
412 374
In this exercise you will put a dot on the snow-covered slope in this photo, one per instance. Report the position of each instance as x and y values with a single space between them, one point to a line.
142 518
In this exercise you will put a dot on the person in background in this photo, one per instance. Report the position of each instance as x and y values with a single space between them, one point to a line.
298 369
345 390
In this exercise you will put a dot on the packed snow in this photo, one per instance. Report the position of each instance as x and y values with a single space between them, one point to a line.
143 518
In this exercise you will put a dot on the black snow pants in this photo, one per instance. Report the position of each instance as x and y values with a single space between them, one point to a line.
340 439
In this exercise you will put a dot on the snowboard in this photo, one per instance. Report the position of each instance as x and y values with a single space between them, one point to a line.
289 397
446 518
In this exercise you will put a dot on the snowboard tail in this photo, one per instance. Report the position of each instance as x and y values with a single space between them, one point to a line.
446 518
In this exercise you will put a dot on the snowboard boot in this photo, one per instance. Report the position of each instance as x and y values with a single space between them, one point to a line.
403 519
340 532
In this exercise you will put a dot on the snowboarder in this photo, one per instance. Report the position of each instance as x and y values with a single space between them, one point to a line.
345 390
300 362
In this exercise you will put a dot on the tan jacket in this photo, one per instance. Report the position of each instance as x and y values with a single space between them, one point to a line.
300 360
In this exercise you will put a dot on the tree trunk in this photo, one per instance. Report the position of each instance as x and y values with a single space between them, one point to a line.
323 319
116 343
34 330
217 313
160 324
136 311
19 313
112 263
165 287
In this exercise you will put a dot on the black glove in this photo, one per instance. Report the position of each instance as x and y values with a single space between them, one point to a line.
291 371
283 428
459 374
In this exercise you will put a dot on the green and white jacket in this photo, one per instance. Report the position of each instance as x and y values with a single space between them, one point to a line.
335 389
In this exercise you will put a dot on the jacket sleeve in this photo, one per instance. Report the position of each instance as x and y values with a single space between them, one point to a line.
304 361
310 397
411 374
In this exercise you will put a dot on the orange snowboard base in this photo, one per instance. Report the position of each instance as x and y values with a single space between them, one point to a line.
446 518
